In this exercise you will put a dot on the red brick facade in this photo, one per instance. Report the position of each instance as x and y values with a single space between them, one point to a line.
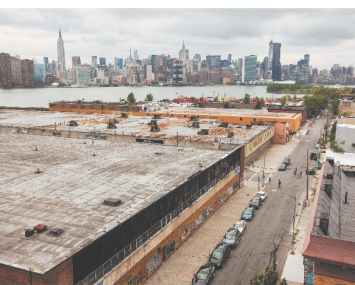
140 273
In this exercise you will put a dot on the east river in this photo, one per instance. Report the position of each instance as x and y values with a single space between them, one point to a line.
39 97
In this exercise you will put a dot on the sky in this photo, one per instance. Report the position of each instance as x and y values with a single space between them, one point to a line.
328 35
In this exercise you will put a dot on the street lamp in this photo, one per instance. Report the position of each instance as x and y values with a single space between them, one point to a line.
294 218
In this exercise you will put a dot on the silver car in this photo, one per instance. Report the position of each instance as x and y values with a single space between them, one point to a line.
262 195
241 226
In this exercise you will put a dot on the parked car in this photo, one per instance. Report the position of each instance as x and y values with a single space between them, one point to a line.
232 237
255 202
248 214
317 146
204 275
282 167
310 171
220 254
313 156
241 225
262 195
286 161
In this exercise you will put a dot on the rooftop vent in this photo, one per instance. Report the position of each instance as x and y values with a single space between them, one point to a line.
124 115
56 231
224 125
203 132
73 123
113 121
248 126
159 153
112 202
40 228
230 135
324 222
154 126
38 171
195 125
193 118
330 175
29 232
157 116
328 187
111 125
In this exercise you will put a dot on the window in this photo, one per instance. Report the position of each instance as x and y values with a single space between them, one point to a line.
254 120
92 107
83 107
53 105
63 106
241 119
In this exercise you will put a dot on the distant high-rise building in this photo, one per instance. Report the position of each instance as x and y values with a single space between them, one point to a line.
240 66
230 58
306 57
301 61
225 63
271 53
118 62
39 73
214 61
315 71
16 71
183 53
93 61
135 56
45 62
75 60
265 67
249 68
5 70
276 63
61 53
152 61
102 61
197 57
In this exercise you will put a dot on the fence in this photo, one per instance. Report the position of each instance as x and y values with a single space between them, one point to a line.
100 257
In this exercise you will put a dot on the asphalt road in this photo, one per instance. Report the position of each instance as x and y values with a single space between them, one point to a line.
272 222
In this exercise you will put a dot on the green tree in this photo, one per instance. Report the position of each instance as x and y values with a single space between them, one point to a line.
283 100
283 281
215 99
131 98
226 105
270 277
335 105
345 114
315 103
330 93
149 97
153 82
259 102
246 99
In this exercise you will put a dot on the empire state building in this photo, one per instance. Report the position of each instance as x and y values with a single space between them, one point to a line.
61 54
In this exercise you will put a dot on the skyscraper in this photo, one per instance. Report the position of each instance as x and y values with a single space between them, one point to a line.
93 61
75 60
306 57
45 62
183 53
266 65
214 61
61 53
276 64
271 51
135 56
249 68
229 58
240 66
197 57
102 61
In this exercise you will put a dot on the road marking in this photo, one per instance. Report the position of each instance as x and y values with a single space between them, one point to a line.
267 179
252 177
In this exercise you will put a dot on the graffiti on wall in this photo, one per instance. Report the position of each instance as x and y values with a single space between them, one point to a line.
230 190
185 233
171 247
142 275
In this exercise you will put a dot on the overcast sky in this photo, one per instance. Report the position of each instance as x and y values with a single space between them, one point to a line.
328 35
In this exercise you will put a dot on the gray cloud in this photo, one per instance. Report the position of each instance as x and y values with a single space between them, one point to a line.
326 34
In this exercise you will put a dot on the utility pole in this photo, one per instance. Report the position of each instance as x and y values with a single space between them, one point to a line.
264 166
274 257
258 183
307 178
177 139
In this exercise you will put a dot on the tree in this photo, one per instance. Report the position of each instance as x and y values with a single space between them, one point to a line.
330 93
215 99
345 114
246 99
149 97
154 82
335 105
283 281
270 277
315 103
259 102
283 100
226 105
131 98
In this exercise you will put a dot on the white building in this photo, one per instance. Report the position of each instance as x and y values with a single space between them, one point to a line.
61 53
346 133
183 53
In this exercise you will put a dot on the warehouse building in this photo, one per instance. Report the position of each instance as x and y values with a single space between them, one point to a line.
79 211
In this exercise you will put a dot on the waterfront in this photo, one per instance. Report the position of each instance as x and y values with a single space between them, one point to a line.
39 97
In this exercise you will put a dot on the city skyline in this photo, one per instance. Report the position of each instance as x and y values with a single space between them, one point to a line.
158 31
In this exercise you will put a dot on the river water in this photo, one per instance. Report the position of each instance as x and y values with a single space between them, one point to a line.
39 97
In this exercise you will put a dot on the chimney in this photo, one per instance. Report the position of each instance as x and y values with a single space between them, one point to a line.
324 222
328 187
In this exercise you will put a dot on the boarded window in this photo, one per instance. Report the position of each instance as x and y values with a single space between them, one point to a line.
125 109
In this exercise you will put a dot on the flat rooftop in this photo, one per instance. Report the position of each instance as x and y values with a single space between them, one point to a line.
170 127
70 190
228 112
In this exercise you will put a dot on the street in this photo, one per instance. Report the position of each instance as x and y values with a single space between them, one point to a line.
273 221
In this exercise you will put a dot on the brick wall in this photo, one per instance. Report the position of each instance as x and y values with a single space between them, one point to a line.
324 280
152 260
61 275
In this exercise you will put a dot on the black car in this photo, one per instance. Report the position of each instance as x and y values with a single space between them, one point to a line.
282 167
232 237
204 275
313 156
220 254
255 202
286 161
